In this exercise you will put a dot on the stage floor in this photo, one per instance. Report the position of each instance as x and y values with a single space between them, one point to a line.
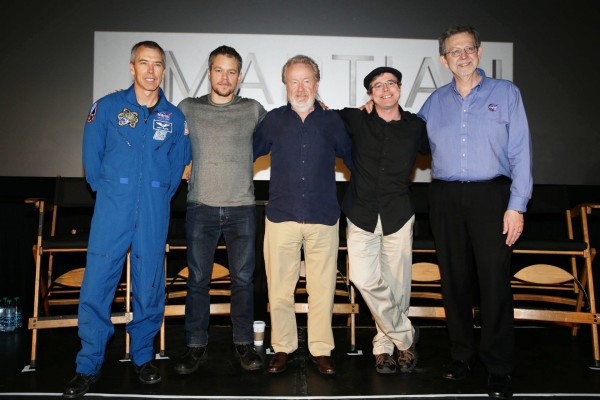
551 363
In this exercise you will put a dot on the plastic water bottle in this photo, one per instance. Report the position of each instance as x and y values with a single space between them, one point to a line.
3 315
9 316
18 313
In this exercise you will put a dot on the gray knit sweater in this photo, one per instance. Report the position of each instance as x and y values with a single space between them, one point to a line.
221 137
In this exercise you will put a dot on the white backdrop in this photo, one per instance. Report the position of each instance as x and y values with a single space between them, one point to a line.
344 61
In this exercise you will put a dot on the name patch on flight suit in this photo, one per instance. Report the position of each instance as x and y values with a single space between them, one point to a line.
162 126
128 117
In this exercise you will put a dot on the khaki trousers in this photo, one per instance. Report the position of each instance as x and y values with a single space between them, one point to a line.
282 247
381 269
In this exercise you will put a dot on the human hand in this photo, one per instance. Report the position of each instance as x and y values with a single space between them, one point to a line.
513 226
187 172
367 106
323 105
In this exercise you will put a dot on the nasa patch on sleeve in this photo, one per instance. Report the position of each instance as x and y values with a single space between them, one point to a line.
92 114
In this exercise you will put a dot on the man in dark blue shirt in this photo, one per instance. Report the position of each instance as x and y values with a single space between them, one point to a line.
303 212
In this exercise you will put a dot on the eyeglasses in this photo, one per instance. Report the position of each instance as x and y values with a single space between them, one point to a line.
458 52
379 85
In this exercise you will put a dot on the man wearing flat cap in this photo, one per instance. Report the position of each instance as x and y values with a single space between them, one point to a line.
380 215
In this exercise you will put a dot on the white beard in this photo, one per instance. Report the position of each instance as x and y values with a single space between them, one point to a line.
302 107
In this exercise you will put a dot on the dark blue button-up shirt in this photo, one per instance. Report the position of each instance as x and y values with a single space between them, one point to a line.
303 154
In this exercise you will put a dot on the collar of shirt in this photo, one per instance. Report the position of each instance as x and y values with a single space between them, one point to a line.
475 88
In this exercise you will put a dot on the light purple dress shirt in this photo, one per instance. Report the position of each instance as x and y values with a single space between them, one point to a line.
481 136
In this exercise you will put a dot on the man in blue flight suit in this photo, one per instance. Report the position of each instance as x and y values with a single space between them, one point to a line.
135 148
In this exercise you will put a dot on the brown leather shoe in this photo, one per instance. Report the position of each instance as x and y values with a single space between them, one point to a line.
325 364
278 363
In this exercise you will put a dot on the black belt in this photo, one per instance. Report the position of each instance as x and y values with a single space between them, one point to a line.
500 178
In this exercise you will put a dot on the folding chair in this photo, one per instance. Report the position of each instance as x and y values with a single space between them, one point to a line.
176 284
553 279
67 233
344 296
560 270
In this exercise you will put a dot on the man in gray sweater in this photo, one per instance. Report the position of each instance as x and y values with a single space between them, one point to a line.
221 201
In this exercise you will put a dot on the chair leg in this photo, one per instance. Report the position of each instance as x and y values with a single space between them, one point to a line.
579 304
352 315
36 303
162 338
162 326
352 322
589 284
47 284
127 301
33 361
592 299
127 355
596 349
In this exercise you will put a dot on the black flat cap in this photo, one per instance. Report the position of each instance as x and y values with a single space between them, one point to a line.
380 70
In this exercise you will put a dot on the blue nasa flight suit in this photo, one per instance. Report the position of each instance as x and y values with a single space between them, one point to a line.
134 161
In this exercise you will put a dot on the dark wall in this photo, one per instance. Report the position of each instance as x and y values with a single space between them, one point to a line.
47 64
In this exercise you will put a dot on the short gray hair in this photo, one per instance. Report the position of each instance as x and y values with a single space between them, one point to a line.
301 59
150 44
455 30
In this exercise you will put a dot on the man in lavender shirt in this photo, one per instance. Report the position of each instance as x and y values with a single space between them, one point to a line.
482 181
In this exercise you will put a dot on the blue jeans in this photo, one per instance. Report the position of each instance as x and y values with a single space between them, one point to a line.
204 227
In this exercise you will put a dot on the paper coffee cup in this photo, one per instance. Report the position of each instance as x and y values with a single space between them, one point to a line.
259 332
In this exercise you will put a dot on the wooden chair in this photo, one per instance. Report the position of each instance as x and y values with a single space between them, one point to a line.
176 242
344 300
425 288
220 283
64 233
175 284
553 280
176 290
345 291
561 264
345 295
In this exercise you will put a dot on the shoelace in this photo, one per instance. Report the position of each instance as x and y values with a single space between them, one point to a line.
385 360
406 355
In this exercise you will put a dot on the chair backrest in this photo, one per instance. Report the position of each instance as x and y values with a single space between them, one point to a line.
419 194
179 200
73 192
546 232
546 217
177 216
422 236
73 207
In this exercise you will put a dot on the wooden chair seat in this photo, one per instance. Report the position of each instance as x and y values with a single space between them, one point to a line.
559 290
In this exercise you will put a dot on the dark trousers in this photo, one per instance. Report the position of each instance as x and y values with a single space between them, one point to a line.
467 221
204 227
